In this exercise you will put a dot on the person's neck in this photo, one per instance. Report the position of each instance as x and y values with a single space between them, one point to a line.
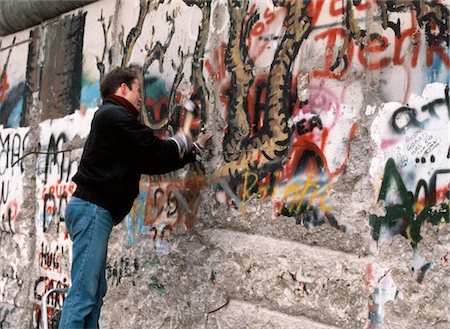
125 103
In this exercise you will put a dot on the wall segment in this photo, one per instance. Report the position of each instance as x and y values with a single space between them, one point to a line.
324 201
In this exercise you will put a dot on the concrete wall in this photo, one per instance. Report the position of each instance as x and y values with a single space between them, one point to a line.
323 203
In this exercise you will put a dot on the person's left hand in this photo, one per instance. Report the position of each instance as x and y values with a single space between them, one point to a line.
201 142
203 138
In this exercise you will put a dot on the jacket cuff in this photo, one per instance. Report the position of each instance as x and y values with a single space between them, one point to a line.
184 145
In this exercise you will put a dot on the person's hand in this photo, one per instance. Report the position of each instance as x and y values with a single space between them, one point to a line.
202 140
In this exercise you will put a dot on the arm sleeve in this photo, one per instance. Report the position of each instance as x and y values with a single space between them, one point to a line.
151 154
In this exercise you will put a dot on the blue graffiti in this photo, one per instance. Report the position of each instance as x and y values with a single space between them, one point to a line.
90 94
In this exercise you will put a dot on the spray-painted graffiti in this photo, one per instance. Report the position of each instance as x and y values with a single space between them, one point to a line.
54 301
55 198
11 94
410 212
12 146
428 30
165 205
123 268
51 258
55 161
60 85
54 188
11 284
413 141
278 122
407 116
381 289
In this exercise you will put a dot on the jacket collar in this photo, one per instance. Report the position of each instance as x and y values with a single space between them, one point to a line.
122 101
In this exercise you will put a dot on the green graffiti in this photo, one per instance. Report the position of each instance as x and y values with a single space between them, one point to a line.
400 217
156 285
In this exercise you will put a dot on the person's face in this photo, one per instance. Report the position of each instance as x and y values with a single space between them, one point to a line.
132 95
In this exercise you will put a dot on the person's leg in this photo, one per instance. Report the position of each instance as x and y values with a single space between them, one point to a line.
92 319
90 228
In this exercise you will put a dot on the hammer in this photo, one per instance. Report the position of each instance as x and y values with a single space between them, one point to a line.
189 116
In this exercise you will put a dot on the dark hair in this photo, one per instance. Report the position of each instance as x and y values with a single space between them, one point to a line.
114 78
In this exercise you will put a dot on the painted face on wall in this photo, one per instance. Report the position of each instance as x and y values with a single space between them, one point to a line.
133 95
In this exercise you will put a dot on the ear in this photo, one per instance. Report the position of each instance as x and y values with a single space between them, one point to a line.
123 88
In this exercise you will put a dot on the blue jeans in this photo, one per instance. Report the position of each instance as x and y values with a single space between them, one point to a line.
89 228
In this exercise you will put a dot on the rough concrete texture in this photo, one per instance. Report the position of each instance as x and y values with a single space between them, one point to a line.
322 202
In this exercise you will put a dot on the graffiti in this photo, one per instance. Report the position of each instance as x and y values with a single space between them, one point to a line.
11 109
298 184
400 217
300 189
54 301
12 147
135 32
156 101
11 98
51 258
163 114
60 76
432 16
9 212
200 94
105 29
304 126
429 19
237 136
55 160
4 85
157 51
120 269
44 284
11 284
264 31
381 289
406 116
164 205
55 198
53 315
5 311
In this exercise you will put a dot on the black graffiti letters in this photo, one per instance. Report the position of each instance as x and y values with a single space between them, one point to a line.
11 149
407 116
306 126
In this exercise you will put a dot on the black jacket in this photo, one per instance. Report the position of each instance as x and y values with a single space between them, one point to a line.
118 150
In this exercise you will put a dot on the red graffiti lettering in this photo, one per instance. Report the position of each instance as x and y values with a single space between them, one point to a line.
374 45
336 11
218 71
331 36
257 44
258 29
4 86
313 10
269 16
370 54
440 51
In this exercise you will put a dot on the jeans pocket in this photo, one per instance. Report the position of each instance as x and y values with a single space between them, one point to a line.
79 214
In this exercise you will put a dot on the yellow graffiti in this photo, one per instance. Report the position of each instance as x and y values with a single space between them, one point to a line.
292 194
